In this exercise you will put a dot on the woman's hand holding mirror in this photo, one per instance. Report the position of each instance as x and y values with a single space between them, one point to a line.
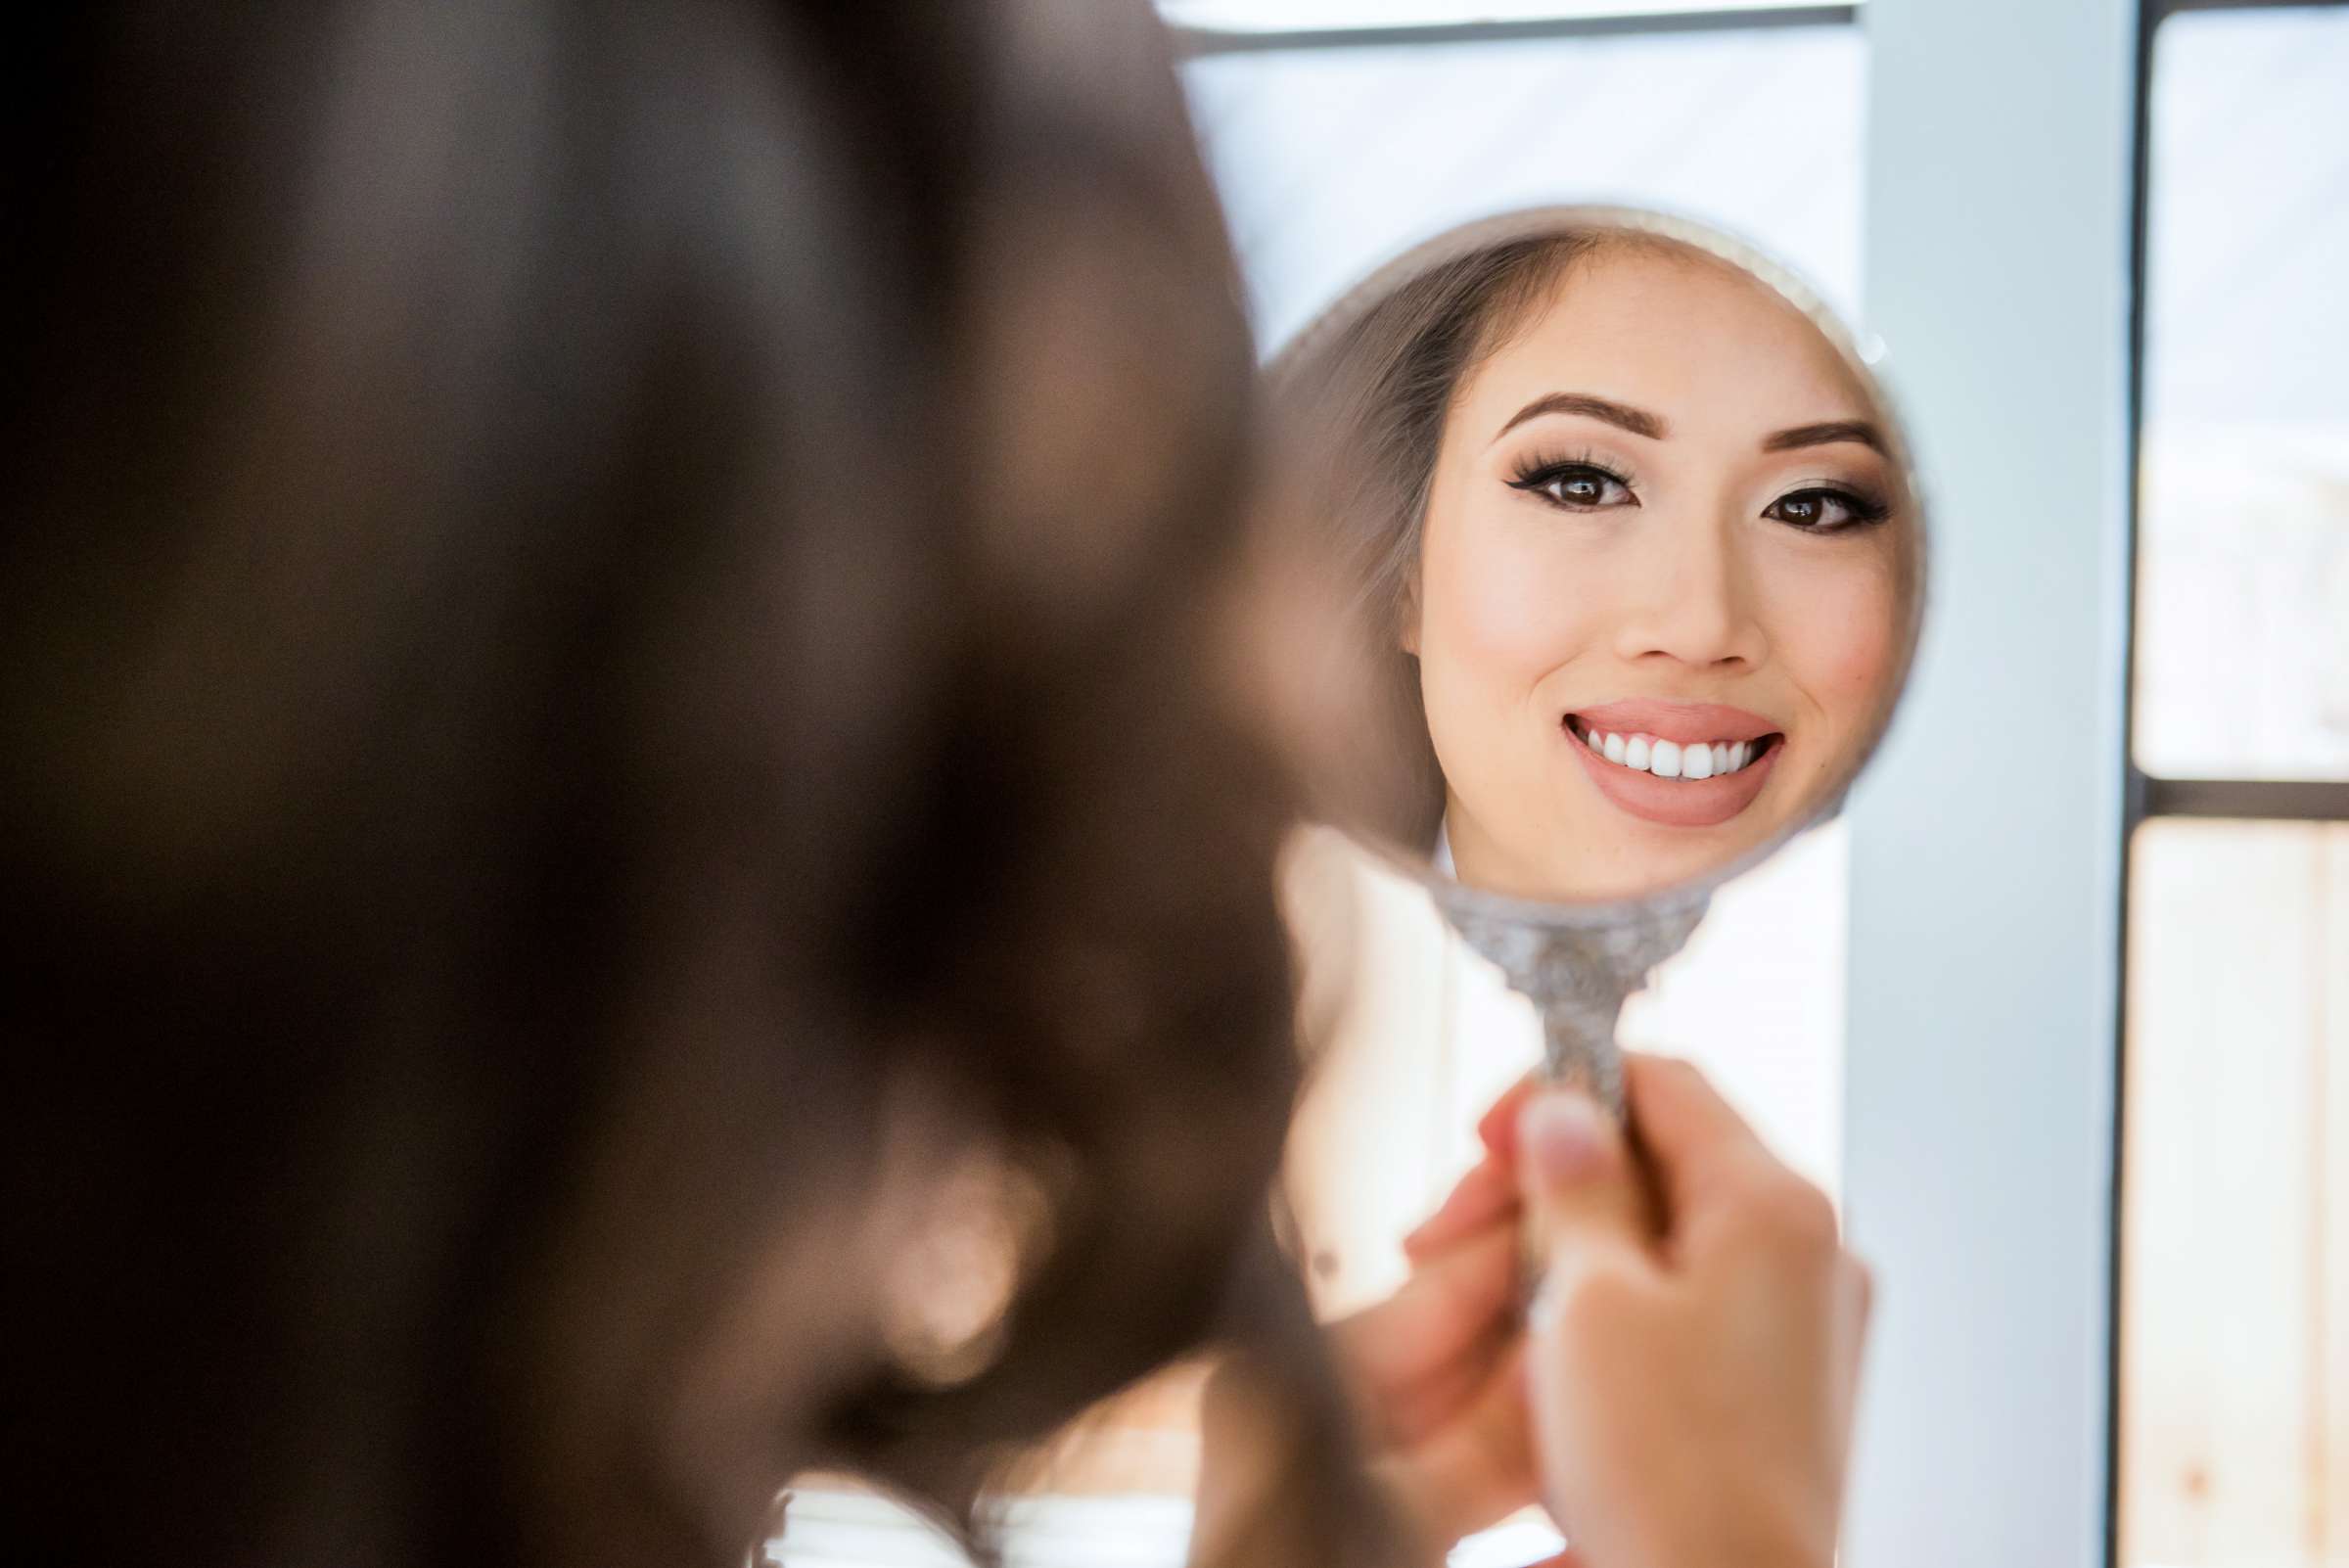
1683 1389
1693 1353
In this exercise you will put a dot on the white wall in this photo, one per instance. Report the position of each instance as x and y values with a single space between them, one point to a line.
1986 841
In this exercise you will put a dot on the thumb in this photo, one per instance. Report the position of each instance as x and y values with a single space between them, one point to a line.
1583 1196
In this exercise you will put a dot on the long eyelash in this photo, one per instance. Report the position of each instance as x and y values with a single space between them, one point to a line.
1532 474
1866 510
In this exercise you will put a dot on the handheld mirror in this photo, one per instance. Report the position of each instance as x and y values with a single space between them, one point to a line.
1631 558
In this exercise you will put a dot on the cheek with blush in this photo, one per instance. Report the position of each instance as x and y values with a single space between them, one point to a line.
1498 612
1835 635
1504 607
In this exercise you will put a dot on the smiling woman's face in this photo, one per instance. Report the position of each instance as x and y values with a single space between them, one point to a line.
1657 606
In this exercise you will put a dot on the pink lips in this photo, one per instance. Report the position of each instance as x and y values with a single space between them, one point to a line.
1674 802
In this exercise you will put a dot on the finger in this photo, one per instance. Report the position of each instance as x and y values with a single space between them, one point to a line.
1406 1349
1695 1143
1486 1196
1412 1418
1488 1189
1580 1189
1478 1467
1497 1127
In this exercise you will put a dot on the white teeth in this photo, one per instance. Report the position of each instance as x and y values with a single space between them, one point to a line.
1696 759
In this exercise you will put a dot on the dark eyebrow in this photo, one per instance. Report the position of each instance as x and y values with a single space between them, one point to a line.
1637 420
1826 434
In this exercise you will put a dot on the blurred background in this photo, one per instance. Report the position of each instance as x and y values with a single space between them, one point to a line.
2126 1335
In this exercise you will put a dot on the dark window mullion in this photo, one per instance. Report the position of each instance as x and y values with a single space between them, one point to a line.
2245 798
2156 10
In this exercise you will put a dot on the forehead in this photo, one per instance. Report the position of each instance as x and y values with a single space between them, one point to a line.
1711 349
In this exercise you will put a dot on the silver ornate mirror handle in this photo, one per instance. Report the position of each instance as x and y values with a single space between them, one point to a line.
1578 975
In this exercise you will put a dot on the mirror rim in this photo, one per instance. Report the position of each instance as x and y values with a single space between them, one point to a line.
1866 359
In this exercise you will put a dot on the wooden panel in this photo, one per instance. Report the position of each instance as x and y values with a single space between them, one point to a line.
2331 945
2224 1333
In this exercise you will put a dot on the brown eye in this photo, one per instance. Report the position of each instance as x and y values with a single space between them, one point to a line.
1577 487
1823 511
1576 490
1803 511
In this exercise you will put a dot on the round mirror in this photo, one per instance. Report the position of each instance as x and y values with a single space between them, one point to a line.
1632 558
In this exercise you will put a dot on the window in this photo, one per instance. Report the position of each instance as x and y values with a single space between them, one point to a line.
1332 158
2234 1396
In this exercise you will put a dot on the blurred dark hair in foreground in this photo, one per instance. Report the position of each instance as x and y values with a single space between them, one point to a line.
604 627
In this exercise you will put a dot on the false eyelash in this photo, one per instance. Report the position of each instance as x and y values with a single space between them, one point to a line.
1532 474
1865 510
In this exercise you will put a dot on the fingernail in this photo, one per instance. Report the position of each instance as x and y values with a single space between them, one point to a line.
1562 1134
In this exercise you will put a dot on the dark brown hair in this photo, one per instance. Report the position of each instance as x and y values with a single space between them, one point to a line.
604 630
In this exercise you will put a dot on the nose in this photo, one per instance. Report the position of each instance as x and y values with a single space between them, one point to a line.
1692 599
